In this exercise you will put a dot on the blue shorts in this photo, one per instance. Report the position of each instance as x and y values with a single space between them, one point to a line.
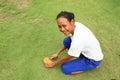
78 64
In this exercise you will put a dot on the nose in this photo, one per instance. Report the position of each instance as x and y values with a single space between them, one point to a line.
62 29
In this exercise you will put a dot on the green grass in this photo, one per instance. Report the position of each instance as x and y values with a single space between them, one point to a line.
28 33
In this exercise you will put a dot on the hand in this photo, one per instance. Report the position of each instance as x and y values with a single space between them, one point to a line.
50 64
54 56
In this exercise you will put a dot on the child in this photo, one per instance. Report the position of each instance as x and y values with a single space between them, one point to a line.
84 52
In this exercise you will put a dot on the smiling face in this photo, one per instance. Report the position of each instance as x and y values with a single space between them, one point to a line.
65 26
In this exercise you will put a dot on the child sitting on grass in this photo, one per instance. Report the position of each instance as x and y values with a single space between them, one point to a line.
84 51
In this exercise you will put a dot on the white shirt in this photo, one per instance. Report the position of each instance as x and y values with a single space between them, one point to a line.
84 41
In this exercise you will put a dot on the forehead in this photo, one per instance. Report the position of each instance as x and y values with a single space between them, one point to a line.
62 20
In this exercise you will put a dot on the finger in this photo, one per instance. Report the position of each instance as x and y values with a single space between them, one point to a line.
52 57
46 65
55 58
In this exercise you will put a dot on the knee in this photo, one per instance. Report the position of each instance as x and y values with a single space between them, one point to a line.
67 42
65 69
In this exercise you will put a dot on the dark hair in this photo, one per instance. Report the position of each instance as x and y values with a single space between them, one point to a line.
68 15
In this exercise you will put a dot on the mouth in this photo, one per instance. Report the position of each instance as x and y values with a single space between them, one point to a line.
66 33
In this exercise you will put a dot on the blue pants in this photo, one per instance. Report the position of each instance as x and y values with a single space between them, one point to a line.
78 64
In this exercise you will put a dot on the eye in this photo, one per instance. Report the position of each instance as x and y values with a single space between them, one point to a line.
59 27
64 26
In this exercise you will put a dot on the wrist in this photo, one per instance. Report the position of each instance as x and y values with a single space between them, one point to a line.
55 63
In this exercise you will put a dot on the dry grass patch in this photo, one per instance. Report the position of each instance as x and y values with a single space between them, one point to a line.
22 3
4 17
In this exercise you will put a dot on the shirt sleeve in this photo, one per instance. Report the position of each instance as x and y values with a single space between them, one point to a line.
74 50
76 47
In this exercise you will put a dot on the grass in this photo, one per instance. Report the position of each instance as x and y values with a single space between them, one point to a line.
28 33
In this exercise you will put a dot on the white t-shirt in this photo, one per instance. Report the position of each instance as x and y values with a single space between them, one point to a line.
84 41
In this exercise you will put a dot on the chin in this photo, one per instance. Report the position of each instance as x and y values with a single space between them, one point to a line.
66 34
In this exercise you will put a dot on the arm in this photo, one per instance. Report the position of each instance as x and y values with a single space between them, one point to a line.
58 52
63 59
60 61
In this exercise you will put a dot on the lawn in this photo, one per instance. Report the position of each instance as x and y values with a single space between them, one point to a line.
28 33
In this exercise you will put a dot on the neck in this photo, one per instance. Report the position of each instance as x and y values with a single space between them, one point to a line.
73 30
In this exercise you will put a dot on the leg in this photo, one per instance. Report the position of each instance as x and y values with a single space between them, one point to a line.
78 65
72 66
79 72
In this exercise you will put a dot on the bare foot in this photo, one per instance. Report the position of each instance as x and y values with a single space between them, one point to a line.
77 72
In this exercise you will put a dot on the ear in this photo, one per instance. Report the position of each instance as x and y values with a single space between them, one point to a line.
72 21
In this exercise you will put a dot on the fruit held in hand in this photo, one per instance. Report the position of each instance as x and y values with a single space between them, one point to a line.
47 60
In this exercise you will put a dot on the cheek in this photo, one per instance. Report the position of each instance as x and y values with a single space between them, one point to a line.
68 28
